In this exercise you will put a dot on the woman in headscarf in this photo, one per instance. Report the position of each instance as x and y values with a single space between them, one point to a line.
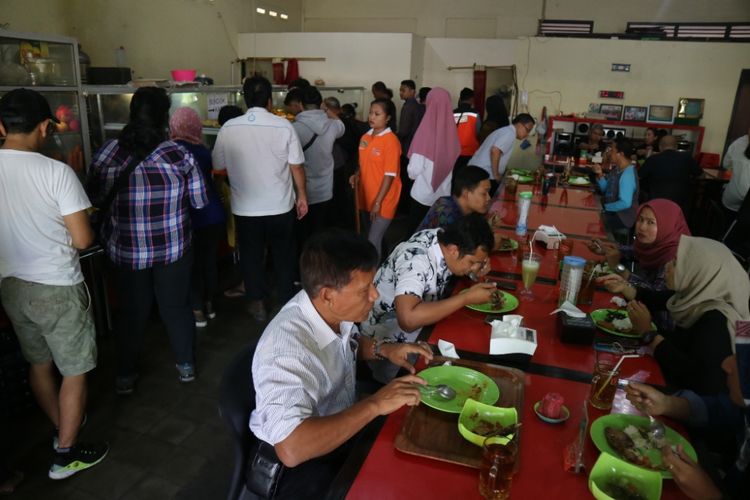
708 295
433 152
497 116
658 227
186 130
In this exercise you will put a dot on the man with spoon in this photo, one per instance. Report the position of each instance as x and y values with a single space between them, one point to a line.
304 372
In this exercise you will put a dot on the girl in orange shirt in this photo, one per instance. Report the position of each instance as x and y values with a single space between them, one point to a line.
378 177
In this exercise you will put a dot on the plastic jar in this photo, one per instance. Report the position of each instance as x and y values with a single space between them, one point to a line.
570 281
524 202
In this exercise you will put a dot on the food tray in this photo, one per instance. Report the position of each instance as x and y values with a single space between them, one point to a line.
434 434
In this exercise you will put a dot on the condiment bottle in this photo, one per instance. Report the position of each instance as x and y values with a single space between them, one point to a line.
570 281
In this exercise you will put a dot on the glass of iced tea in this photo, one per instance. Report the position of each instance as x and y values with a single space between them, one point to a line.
604 381
529 270
496 471
586 294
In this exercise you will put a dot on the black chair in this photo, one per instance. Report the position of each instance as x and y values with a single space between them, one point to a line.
236 402
736 237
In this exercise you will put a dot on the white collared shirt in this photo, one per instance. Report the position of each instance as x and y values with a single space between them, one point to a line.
420 170
301 369
256 150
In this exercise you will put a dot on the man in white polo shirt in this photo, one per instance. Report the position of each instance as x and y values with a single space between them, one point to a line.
263 158
495 151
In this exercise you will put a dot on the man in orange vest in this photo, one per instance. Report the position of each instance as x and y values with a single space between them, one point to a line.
468 124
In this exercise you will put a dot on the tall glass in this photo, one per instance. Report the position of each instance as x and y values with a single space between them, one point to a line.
588 284
529 270
496 471
604 381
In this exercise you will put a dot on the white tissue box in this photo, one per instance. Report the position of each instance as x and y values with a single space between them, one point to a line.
549 236
508 339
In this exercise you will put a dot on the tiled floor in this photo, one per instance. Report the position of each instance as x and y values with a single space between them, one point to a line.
167 440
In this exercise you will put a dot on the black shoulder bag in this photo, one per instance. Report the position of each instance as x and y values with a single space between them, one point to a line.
104 206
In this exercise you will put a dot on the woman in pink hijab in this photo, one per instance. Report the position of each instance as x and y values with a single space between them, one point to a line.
432 154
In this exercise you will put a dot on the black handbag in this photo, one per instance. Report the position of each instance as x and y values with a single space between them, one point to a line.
101 212
264 470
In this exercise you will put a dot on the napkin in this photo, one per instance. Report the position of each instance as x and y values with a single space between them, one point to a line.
570 310
508 336
447 349
618 301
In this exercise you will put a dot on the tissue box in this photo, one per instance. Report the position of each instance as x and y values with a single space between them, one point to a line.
522 342
575 330
551 240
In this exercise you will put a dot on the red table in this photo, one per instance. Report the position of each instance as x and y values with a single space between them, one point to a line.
390 474
569 196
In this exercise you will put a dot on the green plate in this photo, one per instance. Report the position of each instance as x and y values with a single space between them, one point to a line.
620 421
524 179
601 314
513 246
611 469
579 181
520 171
466 382
510 303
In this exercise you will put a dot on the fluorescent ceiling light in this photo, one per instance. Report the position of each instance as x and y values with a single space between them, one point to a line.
260 10
272 13
284 16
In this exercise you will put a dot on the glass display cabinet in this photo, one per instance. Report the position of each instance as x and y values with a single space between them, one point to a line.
49 65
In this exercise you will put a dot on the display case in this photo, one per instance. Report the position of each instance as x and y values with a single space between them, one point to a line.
109 105
49 65
565 132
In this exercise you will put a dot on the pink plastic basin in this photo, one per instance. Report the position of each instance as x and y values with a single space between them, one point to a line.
183 75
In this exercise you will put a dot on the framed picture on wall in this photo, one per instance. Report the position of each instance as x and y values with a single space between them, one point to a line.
594 107
659 113
690 108
635 114
611 111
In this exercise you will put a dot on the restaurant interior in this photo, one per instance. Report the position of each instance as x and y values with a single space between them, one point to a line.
544 377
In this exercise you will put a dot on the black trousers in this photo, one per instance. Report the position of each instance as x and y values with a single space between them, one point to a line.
276 231
137 288
315 220
205 276
417 211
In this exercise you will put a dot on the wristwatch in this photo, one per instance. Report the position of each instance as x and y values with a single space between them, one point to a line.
377 345
649 337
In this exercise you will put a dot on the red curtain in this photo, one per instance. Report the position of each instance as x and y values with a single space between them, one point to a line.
292 71
480 88
278 73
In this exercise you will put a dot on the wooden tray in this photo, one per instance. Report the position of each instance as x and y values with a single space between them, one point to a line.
434 434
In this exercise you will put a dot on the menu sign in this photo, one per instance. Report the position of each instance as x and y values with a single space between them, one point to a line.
214 103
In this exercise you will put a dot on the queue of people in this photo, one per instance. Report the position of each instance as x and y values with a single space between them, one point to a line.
161 221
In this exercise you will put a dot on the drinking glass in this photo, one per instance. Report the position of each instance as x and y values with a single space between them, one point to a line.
496 471
529 270
604 381
586 293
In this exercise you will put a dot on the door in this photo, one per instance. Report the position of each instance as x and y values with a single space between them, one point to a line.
740 121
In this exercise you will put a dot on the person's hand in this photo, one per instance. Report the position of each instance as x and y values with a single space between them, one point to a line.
614 283
595 245
399 392
301 207
354 180
398 352
647 399
494 220
375 210
597 168
689 476
480 293
639 316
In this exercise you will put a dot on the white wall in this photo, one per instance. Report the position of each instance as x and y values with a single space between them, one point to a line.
661 73
505 18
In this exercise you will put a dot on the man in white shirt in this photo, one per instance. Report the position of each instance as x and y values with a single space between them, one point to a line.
263 158
43 223
304 368
495 152
317 133
412 282
738 160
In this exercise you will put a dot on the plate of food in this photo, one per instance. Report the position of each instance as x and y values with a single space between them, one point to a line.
627 437
579 181
466 382
506 244
612 478
523 179
616 322
502 302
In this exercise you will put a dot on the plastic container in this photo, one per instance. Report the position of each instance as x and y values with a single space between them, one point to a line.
524 202
183 75
570 281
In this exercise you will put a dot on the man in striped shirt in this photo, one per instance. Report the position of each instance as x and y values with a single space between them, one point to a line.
304 367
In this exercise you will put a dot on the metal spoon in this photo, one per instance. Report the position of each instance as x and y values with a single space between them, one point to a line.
621 269
442 390
657 431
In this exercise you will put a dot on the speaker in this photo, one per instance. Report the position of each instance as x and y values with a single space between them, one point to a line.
611 133
563 144
583 128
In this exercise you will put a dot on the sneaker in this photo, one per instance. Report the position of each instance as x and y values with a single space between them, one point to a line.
186 371
257 310
200 319
78 458
56 437
125 385
210 310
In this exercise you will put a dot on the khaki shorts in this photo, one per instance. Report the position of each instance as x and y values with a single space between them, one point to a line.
52 323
